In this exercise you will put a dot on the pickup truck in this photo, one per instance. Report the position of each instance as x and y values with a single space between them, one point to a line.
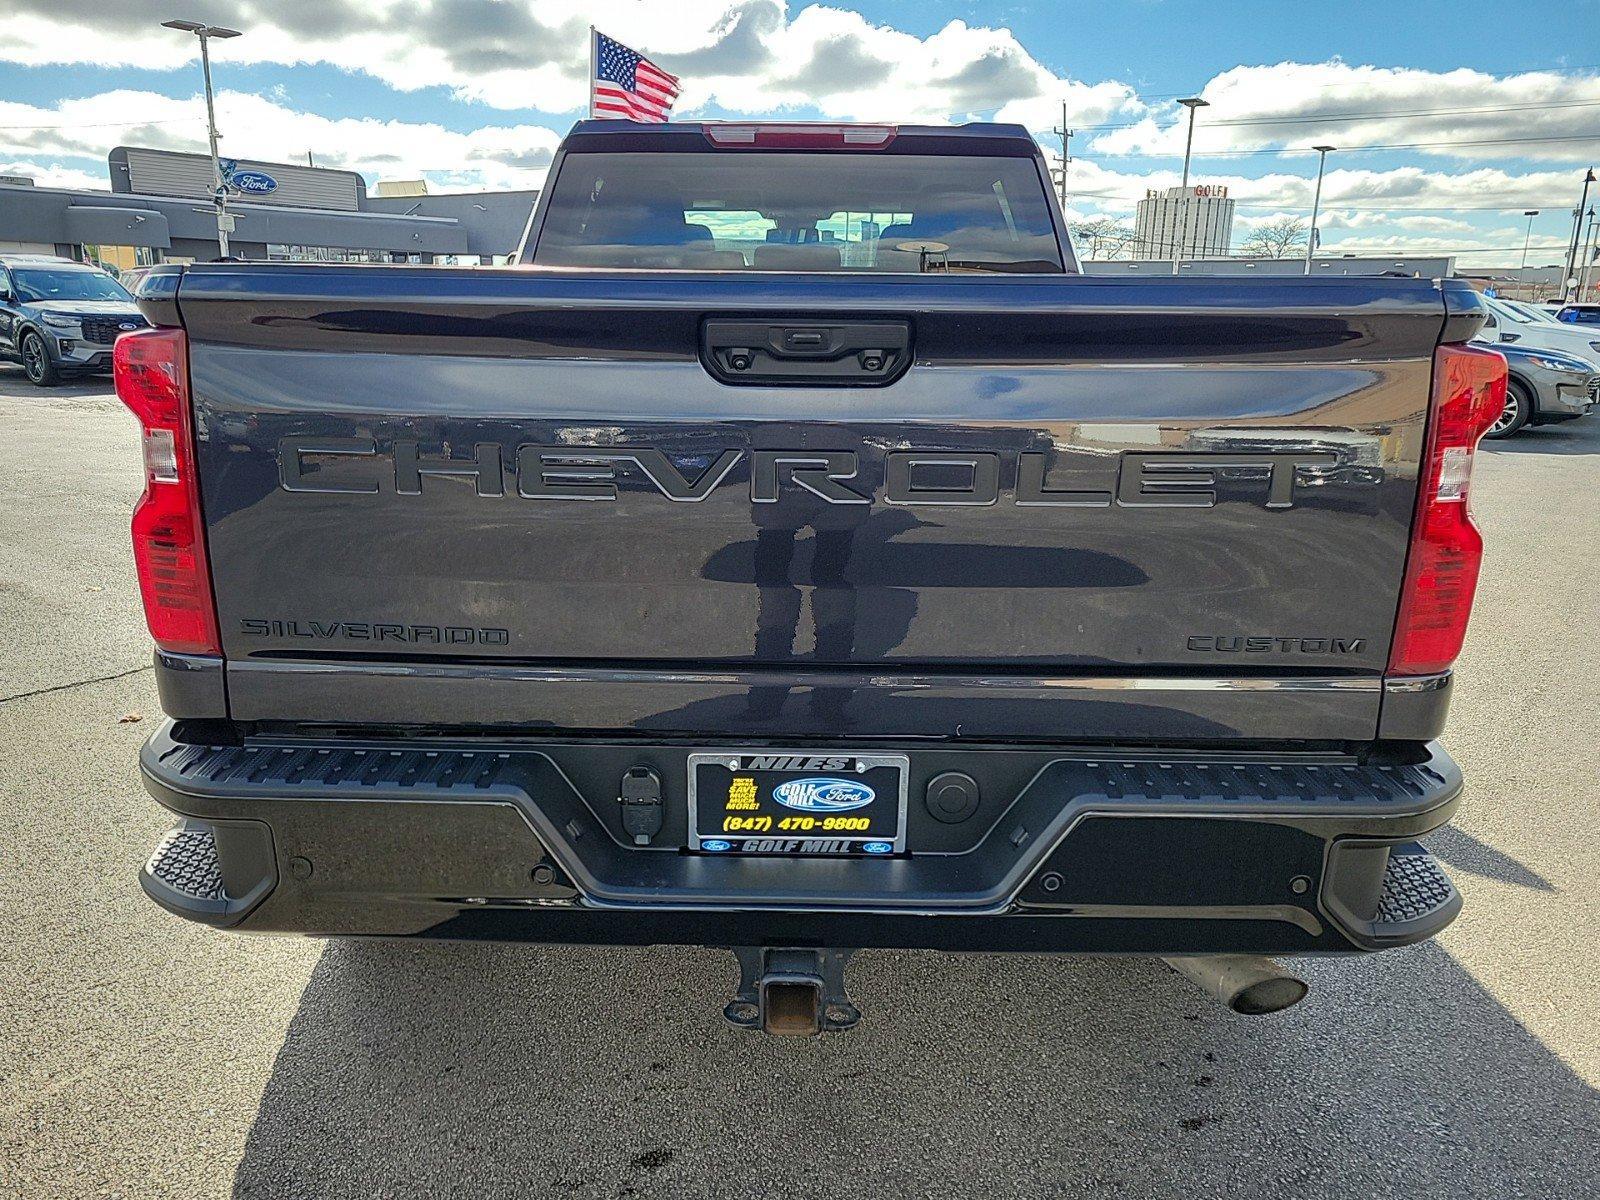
795 553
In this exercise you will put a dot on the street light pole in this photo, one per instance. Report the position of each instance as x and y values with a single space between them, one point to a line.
1316 203
1577 230
1065 135
1527 237
1191 103
219 189
1588 255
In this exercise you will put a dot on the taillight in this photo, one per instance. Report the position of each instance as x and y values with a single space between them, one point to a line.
1469 392
151 370
799 136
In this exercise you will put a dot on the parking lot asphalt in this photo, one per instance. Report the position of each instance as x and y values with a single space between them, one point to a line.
144 1056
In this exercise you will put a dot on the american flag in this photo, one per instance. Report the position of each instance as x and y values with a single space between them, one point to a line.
627 84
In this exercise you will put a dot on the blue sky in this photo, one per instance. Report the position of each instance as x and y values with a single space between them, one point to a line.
1175 45
1498 111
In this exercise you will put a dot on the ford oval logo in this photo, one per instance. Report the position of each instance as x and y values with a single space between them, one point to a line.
255 183
823 795
716 845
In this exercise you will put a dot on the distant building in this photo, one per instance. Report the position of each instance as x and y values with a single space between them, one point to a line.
1519 283
1191 222
400 187
159 210
1418 267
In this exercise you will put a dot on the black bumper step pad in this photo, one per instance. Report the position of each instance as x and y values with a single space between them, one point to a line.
189 872
1415 887
185 860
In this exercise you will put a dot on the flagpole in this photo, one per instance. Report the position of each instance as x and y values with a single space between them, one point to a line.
593 43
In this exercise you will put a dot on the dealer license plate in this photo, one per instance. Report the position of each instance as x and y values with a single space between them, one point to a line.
797 802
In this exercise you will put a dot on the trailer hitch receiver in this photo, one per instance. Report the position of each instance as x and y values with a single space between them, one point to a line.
791 992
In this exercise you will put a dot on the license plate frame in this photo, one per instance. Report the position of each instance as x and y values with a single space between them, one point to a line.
800 766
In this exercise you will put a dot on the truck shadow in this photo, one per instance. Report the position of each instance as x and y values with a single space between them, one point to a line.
1460 850
417 1069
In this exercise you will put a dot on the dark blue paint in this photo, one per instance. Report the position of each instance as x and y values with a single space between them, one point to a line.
1079 369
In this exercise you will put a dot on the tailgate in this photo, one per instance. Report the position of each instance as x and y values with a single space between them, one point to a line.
1072 479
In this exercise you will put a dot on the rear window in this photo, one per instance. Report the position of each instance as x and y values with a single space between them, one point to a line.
758 211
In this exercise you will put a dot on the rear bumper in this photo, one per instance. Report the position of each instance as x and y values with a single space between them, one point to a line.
73 353
1068 852
1563 397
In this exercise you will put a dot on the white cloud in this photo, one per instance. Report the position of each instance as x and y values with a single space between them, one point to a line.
1303 104
1332 219
52 174
767 57
258 127
1397 190
1371 212
1496 246
752 56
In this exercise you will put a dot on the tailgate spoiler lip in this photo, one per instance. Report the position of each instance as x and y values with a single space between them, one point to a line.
1464 311
161 289
400 283
542 313
156 293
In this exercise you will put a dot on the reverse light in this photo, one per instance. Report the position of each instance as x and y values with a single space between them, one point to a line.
1469 393
150 369
804 135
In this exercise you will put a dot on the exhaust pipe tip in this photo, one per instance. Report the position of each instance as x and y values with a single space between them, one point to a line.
1269 996
1242 983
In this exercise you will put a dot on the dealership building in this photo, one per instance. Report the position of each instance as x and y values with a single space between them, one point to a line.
159 210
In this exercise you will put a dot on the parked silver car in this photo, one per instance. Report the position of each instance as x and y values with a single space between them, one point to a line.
1544 386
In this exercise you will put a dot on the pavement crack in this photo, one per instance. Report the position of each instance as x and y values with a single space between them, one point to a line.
62 687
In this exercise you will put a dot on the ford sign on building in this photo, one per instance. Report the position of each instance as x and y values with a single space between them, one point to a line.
148 172
246 182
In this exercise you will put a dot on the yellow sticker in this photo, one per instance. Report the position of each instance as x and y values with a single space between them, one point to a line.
742 793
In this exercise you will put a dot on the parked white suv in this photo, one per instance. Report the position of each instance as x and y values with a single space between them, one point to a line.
1526 327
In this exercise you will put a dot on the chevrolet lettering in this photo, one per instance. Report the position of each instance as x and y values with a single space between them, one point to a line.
356 466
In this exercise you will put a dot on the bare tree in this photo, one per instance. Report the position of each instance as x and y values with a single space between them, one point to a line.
1281 237
1102 237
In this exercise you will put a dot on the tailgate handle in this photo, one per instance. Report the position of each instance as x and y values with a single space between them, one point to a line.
806 339
806 353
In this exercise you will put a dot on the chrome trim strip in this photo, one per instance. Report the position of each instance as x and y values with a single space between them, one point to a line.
802 676
1422 683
